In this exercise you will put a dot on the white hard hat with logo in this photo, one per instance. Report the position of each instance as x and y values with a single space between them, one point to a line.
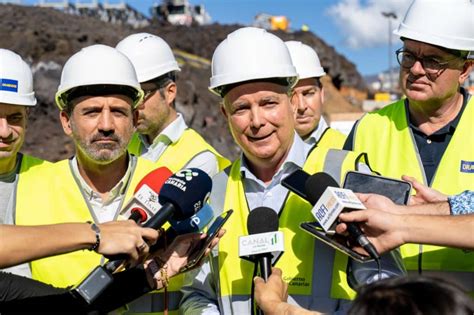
250 53
151 56
444 23
305 59
16 80
98 65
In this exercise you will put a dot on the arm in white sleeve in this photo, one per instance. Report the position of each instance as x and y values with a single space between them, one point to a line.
200 289
205 161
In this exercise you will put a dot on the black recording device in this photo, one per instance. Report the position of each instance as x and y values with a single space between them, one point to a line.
396 190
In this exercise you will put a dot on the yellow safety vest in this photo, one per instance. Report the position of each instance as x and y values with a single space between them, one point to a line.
302 255
331 138
28 163
50 195
385 136
179 153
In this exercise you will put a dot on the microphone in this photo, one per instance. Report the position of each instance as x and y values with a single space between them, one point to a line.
329 201
181 196
144 203
263 239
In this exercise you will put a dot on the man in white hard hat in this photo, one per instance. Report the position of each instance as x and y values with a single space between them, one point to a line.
429 135
16 97
253 73
163 136
97 96
309 97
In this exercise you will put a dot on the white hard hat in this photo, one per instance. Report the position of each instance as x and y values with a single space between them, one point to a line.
305 59
444 23
250 53
98 65
151 56
16 80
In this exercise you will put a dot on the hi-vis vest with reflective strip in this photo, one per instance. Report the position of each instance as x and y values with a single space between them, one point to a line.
331 138
26 164
385 136
178 154
316 273
50 195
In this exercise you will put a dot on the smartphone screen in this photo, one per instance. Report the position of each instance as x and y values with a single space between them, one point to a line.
295 182
212 232
396 190
336 241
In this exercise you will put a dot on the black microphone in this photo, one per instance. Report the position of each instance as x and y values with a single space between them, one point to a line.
316 185
263 220
182 195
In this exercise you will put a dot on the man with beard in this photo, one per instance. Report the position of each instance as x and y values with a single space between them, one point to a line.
16 97
429 135
308 95
162 134
97 96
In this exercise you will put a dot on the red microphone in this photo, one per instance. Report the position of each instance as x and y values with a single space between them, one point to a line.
144 203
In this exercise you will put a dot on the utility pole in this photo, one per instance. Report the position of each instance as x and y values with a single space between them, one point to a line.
390 15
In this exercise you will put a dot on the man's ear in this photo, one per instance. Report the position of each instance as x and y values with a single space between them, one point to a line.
65 122
170 93
322 95
466 71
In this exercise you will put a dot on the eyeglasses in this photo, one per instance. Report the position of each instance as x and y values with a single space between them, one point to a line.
149 92
431 65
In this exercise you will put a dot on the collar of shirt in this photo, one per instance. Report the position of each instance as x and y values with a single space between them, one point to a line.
114 193
169 135
450 127
273 195
318 132
295 159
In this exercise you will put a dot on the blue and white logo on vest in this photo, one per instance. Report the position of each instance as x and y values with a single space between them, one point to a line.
9 85
467 166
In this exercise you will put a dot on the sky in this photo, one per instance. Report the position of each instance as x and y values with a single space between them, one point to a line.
356 28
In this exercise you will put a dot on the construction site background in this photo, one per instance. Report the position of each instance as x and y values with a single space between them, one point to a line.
46 37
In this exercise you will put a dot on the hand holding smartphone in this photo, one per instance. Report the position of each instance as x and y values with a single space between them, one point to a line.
200 249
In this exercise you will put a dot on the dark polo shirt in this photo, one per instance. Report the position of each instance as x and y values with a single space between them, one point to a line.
431 148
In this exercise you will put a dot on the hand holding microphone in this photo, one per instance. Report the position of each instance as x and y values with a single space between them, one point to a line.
181 196
329 201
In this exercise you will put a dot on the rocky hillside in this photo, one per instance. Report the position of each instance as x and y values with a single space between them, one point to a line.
46 38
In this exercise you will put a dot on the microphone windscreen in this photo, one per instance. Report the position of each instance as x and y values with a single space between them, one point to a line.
188 190
155 179
316 184
262 220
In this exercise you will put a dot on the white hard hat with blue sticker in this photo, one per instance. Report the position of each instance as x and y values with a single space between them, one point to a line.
16 80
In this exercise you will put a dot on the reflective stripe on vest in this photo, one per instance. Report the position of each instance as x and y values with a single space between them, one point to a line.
178 154
389 142
311 285
50 195
331 138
